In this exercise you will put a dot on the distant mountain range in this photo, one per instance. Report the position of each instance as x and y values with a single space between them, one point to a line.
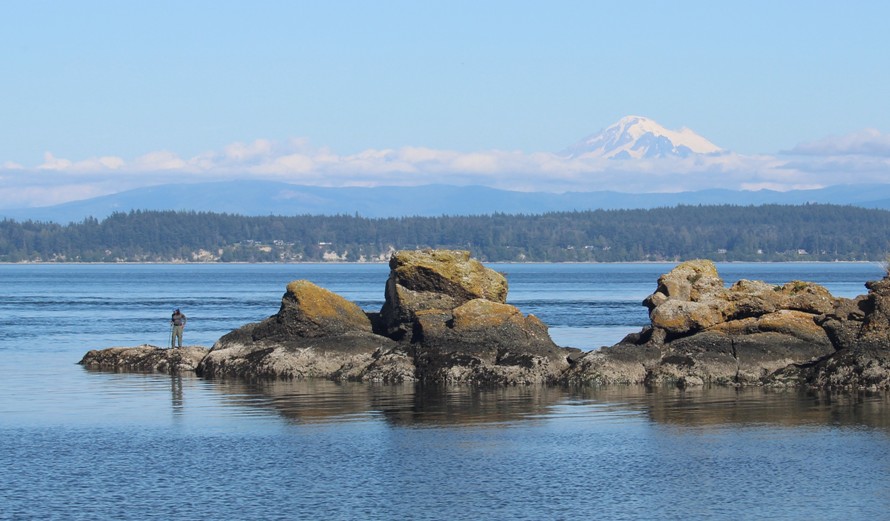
631 138
255 198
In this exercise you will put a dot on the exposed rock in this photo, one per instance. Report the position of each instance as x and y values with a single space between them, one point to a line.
315 333
444 320
144 358
623 363
702 332
308 311
434 279
860 330
450 312
484 341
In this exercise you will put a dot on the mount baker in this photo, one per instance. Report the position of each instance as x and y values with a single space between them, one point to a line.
636 137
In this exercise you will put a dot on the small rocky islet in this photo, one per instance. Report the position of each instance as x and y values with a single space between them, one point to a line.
445 320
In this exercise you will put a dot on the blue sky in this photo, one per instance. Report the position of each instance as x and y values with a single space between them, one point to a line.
97 95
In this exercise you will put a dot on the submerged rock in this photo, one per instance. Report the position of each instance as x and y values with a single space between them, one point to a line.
144 358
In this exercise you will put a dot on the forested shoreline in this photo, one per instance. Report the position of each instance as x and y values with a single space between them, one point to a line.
814 232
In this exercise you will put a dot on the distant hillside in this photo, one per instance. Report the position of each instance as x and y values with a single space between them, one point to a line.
259 198
723 233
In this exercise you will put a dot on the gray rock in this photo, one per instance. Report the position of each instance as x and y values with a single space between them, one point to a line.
144 358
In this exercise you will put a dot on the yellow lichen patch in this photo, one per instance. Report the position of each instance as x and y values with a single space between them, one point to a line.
318 304
480 313
737 327
454 266
690 280
680 317
794 323
787 321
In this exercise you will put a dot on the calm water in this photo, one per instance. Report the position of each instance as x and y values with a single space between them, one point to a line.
78 444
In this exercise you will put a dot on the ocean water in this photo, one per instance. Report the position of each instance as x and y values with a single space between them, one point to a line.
79 444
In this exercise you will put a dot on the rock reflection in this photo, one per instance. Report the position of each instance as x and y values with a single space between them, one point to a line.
310 401
752 406
408 405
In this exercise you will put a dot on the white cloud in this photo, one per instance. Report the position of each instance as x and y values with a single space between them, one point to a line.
243 152
289 164
10 165
50 162
859 157
867 142
161 160
93 165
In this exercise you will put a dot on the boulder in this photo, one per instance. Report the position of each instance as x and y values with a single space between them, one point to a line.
315 333
144 358
434 279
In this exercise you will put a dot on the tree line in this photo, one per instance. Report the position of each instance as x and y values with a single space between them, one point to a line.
817 232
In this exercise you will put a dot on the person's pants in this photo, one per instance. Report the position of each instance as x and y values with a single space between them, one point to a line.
177 334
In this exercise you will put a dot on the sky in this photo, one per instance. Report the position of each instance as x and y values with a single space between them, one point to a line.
102 96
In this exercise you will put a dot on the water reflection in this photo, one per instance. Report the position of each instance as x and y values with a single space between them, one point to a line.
724 406
176 393
308 401
317 401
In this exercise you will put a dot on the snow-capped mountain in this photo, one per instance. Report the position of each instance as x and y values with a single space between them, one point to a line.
636 137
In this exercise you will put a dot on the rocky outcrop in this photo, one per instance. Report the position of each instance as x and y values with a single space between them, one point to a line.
444 319
452 312
315 333
860 330
703 332
144 358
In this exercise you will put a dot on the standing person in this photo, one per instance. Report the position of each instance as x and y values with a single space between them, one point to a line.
177 320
